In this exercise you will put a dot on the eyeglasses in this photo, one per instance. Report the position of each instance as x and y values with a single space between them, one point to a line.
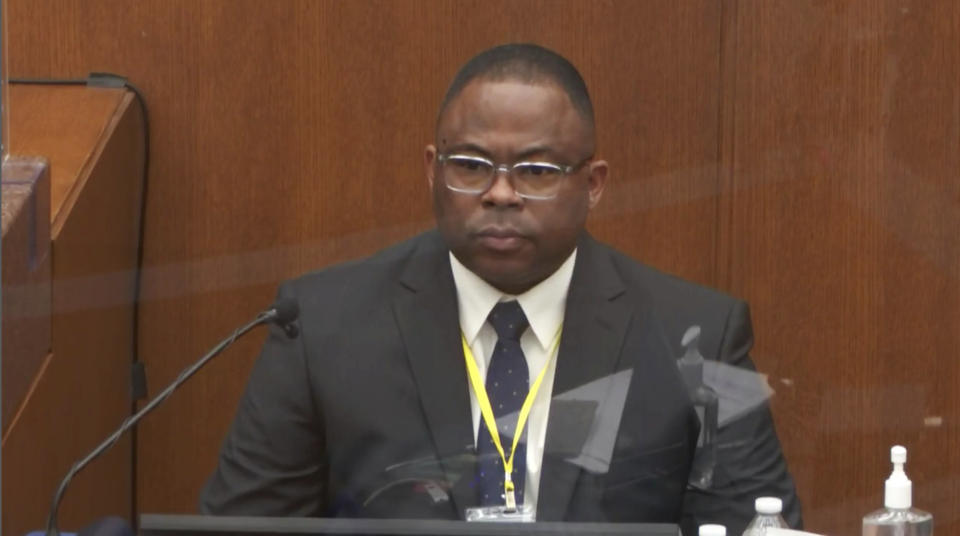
468 174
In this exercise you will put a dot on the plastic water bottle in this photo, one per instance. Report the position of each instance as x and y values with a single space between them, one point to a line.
768 516
713 530
897 518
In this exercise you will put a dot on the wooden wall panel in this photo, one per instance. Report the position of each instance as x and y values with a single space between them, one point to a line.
81 392
288 135
840 223
655 82
26 279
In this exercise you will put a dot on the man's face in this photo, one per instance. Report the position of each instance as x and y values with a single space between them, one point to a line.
511 242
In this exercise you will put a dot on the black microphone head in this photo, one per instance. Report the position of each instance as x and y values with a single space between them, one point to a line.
286 310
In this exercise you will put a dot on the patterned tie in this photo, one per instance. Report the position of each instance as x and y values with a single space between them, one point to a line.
508 381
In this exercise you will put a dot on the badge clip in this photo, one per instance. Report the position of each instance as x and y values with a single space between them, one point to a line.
522 513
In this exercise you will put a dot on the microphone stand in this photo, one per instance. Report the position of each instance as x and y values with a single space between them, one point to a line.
264 317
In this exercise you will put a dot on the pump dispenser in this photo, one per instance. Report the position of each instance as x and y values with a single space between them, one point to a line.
898 490
898 518
706 403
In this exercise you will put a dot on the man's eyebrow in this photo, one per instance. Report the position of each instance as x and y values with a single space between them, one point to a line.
537 149
467 147
474 148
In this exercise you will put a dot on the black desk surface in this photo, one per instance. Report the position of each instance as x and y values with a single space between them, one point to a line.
195 525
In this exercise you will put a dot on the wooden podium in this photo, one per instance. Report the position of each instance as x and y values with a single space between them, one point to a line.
69 249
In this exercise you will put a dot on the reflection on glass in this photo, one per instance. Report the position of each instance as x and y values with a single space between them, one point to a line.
706 404
4 89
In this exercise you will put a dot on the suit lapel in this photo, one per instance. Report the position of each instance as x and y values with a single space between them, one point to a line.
426 313
595 322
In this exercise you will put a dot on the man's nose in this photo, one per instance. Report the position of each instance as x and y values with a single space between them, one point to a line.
501 191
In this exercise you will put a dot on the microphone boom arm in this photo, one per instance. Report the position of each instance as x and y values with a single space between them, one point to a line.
270 315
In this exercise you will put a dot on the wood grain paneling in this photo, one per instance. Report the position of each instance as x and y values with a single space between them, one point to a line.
287 135
655 81
841 219
801 155
82 392
26 279
72 137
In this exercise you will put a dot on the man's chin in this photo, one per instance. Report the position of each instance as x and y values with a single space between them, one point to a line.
509 274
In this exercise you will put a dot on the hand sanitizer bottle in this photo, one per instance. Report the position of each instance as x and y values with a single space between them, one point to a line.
768 516
897 518
712 530
706 404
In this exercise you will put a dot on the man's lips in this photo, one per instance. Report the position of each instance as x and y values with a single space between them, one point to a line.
503 239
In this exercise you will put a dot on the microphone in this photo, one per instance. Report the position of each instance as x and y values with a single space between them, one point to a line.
283 313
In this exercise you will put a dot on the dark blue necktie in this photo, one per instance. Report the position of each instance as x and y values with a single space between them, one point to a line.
508 381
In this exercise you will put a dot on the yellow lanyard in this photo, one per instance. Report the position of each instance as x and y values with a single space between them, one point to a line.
487 411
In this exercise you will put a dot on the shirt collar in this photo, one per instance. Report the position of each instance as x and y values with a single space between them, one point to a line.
543 304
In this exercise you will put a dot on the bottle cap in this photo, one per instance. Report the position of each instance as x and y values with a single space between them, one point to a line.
768 505
713 530
898 490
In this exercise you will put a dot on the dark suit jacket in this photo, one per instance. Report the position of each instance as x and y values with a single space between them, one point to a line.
367 413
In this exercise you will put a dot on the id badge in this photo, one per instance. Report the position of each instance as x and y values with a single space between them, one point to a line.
523 513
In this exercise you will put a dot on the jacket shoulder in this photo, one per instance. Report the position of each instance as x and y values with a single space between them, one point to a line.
677 303
358 285
663 286
384 264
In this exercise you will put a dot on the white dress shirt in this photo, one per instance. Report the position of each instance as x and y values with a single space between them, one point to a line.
543 306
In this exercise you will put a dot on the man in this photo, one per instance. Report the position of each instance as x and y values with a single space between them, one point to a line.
406 395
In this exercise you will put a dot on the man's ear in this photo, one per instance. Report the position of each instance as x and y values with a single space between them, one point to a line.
429 159
597 181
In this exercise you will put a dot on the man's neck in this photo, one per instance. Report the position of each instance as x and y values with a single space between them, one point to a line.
544 303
